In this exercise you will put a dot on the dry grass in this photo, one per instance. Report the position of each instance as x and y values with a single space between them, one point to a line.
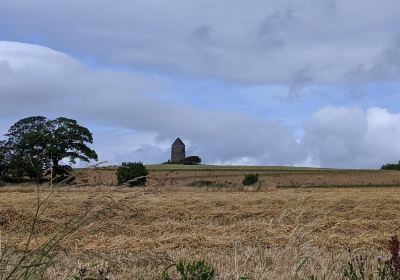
262 234
166 175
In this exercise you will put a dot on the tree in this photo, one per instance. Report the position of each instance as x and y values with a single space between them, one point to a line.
3 160
68 140
26 147
192 160
132 174
36 143
391 166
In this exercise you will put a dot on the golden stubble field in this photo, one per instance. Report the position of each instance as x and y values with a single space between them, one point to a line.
260 234
270 177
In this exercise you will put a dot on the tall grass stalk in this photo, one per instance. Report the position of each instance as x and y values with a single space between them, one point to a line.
32 264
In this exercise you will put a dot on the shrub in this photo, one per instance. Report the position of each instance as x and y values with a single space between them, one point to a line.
194 270
132 174
250 179
386 270
192 160
391 166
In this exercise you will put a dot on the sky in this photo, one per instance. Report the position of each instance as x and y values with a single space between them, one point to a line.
242 82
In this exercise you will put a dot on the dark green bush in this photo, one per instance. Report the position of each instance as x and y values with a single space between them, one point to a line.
391 166
132 174
250 179
194 270
192 160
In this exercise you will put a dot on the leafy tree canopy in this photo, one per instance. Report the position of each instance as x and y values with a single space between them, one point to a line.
3 159
34 143
68 140
391 166
192 160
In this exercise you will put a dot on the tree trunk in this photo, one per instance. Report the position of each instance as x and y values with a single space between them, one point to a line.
55 162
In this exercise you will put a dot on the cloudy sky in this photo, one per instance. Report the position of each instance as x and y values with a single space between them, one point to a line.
305 83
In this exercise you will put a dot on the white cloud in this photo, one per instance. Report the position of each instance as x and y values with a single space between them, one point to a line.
353 138
53 84
131 121
119 145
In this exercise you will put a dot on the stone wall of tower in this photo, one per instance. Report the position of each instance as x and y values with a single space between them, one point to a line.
177 153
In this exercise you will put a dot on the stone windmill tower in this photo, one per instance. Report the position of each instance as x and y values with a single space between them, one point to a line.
177 151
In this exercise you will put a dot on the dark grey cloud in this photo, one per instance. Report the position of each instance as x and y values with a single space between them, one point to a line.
201 35
245 41
384 67
269 30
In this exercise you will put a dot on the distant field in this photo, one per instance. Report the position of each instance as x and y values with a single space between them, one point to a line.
231 176
201 167
180 167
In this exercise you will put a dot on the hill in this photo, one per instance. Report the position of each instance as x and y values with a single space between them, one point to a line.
167 175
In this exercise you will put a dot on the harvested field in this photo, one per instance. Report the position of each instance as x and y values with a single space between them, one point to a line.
270 177
259 234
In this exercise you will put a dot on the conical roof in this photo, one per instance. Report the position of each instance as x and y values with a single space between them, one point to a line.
178 142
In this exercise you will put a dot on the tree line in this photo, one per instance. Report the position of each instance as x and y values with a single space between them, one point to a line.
391 166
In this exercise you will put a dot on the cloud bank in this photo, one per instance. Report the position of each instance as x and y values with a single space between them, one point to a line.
351 137
56 84
292 43
132 121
